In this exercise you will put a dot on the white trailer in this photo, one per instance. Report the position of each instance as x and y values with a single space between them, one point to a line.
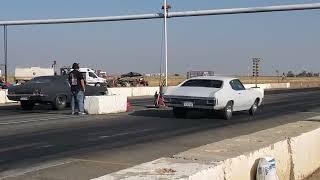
26 74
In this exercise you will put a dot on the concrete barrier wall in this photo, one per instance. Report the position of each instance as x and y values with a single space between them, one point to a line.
279 85
121 91
243 166
305 153
2 96
262 86
304 84
237 158
144 91
7 100
270 86
105 104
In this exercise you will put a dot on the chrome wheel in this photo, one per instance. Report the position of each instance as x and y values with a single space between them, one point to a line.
254 108
60 102
228 111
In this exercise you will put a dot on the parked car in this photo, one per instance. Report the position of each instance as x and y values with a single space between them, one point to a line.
54 90
131 79
213 93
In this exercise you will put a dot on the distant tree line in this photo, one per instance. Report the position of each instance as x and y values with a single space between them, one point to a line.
303 74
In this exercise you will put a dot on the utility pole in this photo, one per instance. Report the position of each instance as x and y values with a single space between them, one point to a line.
255 69
5 47
166 8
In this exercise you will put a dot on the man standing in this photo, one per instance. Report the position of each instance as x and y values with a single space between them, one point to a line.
77 84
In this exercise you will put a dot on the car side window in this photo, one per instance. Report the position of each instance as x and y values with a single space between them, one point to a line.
237 85
92 75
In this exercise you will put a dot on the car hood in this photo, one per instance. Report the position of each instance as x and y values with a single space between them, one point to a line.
192 91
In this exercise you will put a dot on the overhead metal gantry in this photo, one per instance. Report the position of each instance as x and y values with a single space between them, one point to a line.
165 14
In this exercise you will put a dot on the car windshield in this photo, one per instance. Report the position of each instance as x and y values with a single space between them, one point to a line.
203 83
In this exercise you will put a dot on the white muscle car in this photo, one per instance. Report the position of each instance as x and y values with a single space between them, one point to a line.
215 93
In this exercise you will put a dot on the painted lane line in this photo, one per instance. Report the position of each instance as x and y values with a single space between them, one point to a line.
33 117
119 134
19 147
47 146
103 162
8 119
37 120
127 133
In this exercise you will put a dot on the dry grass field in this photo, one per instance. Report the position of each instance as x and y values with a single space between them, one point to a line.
295 81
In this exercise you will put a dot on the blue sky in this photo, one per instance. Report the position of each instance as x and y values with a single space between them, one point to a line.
224 44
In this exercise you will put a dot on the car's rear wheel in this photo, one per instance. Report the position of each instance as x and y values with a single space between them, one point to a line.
228 111
254 108
60 102
26 105
179 112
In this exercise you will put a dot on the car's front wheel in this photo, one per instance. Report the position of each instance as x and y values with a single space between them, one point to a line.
179 112
60 102
26 105
228 111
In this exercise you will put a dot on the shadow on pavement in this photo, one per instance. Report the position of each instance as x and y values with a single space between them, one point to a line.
192 114
14 109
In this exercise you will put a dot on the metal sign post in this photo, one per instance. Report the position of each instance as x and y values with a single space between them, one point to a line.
165 38
255 69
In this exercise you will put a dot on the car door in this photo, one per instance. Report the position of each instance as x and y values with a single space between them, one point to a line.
67 89
241 99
